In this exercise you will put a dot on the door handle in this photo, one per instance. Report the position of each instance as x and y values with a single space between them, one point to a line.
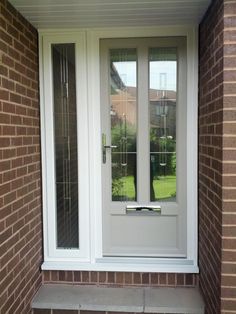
110 146
105 147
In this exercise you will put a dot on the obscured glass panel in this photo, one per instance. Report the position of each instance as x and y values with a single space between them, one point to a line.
65 134
162 108
123 112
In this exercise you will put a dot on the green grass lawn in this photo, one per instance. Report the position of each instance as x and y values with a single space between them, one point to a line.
164 187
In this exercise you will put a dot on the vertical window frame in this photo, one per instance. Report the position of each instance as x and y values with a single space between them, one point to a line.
51 252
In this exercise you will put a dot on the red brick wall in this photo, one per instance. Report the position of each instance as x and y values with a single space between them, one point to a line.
120 278
20 200
210 154
217 156
228 279
20 191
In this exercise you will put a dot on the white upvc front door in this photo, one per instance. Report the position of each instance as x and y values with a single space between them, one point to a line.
144 155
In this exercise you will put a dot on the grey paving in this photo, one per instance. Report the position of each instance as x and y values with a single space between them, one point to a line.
173 300
138 300
89 298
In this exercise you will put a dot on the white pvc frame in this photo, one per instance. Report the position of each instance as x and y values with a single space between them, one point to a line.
91 202
48 160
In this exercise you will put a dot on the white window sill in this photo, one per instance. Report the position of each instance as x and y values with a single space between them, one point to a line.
108 264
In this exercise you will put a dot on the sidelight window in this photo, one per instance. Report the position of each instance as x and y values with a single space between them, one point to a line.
65 136
65 150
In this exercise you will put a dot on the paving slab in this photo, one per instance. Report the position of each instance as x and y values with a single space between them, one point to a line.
90 298
173 300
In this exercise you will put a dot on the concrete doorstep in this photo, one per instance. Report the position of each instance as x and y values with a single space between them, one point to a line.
113 299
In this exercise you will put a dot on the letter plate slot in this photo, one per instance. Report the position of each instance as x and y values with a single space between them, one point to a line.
153 209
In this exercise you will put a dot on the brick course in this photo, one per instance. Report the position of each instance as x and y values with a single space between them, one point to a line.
20 181
120 278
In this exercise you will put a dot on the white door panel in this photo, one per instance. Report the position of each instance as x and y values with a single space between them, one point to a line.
144 238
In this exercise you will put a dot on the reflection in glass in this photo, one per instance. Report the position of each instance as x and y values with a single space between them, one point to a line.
123 102
65 134
162 106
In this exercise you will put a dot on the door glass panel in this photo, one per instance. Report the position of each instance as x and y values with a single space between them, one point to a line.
65 135
123 111
162 108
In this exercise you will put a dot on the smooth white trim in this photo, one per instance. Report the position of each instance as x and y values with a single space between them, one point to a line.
92 261
192 145
172 30
160 266
43 147
95 145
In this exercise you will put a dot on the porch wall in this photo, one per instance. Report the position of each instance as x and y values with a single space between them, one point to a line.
20 193
20 196
228 268
217 155
210 154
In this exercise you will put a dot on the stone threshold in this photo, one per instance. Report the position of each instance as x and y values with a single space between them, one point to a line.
52 297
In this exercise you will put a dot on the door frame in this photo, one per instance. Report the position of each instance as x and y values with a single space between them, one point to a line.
92 206
93 38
